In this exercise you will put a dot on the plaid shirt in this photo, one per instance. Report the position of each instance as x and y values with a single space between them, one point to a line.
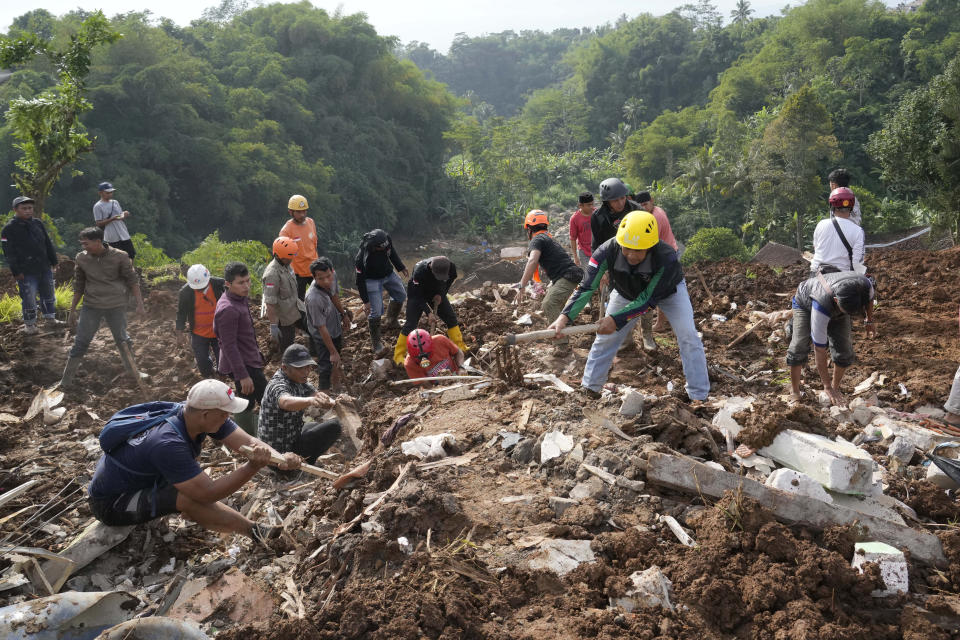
278 428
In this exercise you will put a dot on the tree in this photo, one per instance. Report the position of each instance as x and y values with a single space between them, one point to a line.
700 177
49 134
741 14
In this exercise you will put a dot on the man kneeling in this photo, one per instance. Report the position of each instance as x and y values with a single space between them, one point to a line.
155 472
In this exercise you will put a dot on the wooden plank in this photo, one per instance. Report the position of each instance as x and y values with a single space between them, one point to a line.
688 475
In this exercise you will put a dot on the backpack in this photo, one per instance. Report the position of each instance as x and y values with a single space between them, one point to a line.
132 421
370 240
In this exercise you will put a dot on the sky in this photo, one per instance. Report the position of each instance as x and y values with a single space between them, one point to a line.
435 22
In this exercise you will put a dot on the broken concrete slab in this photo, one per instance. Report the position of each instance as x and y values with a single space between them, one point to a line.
837 465
651 589
936 475
632 404
878 506
921 438
70 614
428 447
592 487
691 476
901 449
561 556
554 445
559 505
893 566
198 600
800 483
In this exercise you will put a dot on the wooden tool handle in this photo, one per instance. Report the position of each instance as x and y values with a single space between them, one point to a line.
514 338
309 468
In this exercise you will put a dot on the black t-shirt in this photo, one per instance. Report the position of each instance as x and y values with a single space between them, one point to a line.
554 260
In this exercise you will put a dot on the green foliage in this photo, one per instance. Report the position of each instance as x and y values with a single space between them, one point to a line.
46 127
147 254
214 254
11 309
713 244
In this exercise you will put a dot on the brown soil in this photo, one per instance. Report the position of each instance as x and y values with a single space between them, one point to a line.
470 525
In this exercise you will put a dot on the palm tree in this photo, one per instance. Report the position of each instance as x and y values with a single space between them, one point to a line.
700 176
741 15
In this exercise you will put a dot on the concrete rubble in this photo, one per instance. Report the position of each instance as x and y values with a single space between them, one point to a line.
651 589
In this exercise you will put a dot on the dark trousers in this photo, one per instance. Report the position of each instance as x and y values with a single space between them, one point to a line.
288 335
201 351
417 306
89 323
259 386
124 245
324 366
303 283
316 438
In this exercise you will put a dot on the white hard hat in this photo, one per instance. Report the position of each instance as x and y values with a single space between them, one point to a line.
198 276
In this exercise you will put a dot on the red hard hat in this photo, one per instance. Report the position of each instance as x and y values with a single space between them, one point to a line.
285 248
842 198
419 343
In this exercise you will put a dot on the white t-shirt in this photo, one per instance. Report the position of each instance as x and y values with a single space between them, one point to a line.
829 249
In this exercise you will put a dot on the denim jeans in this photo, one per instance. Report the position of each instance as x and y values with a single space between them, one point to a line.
89 323
394 286
30 285
201 351
953 402
679 312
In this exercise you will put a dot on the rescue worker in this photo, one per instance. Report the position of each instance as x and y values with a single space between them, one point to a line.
841 178
427 293
31 257
375 262
644 274
196 305
837 240
822 310
645 200
544 250
429 356
303 231
280 294
104 279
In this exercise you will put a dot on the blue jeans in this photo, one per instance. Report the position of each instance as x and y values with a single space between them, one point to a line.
89 323
394 286
30 286
679 312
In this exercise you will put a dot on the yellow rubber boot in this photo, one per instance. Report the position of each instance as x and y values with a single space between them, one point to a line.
454 334
400 350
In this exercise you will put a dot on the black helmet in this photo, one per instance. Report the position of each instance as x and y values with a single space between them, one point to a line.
612 188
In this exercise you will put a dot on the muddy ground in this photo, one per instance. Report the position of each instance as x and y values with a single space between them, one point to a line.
472 529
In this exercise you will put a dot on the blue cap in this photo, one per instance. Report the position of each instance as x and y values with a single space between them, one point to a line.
105 186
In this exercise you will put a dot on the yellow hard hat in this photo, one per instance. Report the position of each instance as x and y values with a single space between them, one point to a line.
638 230
297 203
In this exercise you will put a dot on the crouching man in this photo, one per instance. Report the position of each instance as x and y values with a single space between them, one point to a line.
155 472
822 310
287 396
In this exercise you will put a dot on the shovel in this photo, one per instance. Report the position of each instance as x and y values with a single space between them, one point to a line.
947 465
546 334
320 472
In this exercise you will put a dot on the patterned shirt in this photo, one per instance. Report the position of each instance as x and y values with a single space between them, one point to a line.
278 428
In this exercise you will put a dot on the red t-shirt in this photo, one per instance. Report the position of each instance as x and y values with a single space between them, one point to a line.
580 232
442 358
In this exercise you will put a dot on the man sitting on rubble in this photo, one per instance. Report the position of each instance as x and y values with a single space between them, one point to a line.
429 356
644 274
155 472
822 310
287 396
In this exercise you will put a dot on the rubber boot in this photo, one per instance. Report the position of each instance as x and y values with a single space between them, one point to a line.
400 350
126 356
70 371
646 322
390 320
376 342
457 338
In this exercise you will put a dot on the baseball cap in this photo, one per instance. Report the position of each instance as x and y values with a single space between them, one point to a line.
440 267
20 200
297 355
213 394
105 186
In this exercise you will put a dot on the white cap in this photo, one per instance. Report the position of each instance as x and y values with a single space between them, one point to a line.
213 394
198 276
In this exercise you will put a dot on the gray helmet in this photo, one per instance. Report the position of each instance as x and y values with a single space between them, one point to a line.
612 188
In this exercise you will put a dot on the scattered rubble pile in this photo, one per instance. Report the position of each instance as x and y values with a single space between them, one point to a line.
493 509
